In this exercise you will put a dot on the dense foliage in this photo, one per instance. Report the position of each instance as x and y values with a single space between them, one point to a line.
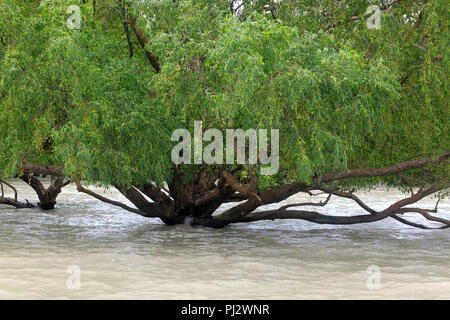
93 101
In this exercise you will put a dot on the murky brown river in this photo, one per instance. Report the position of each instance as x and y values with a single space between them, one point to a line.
119 255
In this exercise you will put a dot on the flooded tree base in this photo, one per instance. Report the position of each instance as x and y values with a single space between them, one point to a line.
198 200
120 255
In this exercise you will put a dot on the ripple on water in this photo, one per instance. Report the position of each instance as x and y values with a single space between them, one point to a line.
124 256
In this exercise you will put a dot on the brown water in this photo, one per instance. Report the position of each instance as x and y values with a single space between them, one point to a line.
124 256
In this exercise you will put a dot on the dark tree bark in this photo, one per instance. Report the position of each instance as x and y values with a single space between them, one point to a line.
125 27
47 196
29 174
198 200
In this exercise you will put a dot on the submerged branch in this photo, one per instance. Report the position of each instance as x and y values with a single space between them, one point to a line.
320 204
126 29
240 213
16 204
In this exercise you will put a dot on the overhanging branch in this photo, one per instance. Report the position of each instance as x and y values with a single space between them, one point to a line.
154 61
32 168
80 188
379 172
3 182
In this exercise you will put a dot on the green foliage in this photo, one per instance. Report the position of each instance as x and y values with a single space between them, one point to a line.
336 93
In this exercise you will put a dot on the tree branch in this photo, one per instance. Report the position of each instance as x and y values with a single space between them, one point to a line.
125 27
266 197
151 209
248 190
155 193
416 225
31 168
15 203
80 188
378 172
10 186
320 204
241 214
154 61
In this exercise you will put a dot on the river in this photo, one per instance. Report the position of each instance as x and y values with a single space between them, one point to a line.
116 254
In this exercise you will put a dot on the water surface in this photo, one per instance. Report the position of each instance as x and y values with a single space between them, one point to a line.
124 256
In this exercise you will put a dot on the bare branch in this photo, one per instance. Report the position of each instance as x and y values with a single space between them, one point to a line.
80 188
413 224
31 168
151 209
248 190
320 204
379 172
66 183
155 193
372 211
11 187
350 196
15 203
426 215
241 215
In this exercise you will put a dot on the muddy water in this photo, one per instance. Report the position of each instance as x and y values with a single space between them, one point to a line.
119 255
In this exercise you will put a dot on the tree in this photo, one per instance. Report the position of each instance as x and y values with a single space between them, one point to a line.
355 107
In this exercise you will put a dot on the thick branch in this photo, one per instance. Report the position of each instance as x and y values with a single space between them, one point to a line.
239 214
151 209
319 204
266 197
47 196
378 172
156 194
214 198
32 168
248 190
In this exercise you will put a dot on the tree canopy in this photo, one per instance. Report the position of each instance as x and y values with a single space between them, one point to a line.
99 104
